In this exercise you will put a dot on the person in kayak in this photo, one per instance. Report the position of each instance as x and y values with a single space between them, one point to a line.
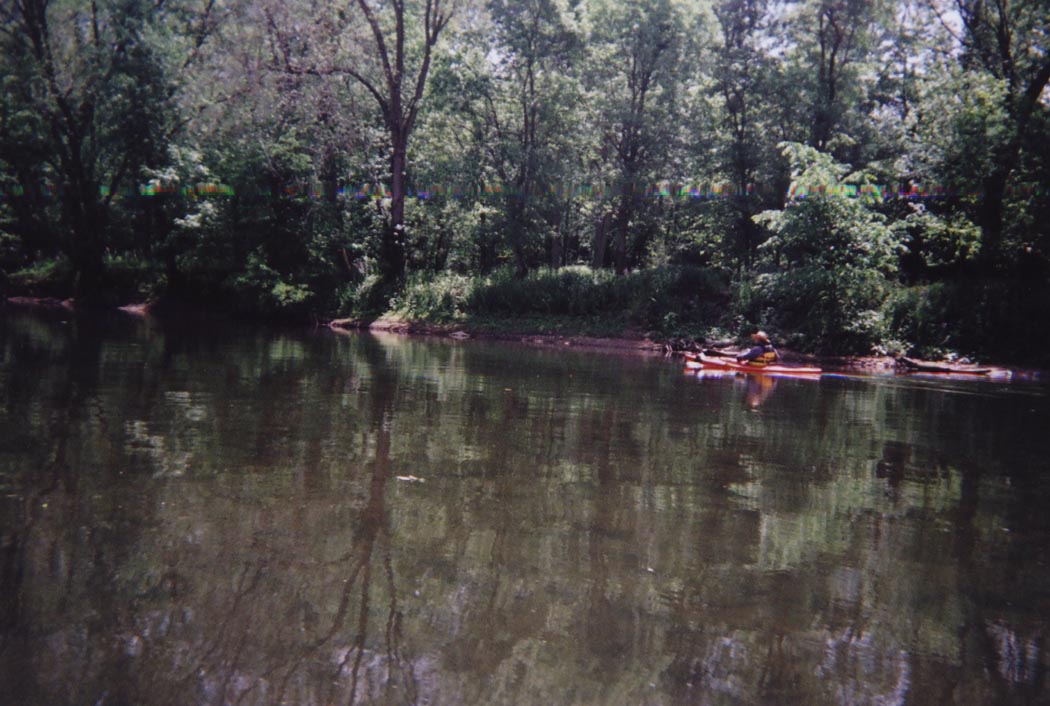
763 352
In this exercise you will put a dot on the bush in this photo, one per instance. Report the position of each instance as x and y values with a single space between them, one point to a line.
49 277
367 299
438 299
827 266
566 292
676 301
643 298
262 291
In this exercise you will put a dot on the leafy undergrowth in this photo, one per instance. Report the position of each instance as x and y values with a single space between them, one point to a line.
599 327
665 302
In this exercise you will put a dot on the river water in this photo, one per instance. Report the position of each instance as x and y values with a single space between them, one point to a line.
222 515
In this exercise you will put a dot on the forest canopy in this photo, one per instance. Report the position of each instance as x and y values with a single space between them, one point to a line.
852 175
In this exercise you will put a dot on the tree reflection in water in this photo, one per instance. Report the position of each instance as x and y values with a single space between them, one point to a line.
123 589
337 651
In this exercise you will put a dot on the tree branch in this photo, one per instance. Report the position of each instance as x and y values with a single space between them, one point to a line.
1034 90
434 22
377 33
200 35
932 6
282 63
292 70
399 39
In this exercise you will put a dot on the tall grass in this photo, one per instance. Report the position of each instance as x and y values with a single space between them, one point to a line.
668 300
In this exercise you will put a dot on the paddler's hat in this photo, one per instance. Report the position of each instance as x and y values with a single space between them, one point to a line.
760 337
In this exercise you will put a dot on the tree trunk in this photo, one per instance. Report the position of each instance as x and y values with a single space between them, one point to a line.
745 223
990 217
392 252
557 248
623 225
601 240
86 250
516 224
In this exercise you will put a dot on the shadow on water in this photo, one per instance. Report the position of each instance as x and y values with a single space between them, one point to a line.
236 516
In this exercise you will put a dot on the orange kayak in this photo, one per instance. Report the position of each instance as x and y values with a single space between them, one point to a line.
706 362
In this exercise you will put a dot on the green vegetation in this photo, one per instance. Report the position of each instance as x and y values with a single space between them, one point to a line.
671 301
852 176
828 262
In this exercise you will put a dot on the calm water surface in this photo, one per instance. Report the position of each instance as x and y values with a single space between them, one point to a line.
231 516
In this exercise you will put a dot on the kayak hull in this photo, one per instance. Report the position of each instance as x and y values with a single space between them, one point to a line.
730 365
911 365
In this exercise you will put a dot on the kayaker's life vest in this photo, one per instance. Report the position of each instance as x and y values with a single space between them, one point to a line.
767 356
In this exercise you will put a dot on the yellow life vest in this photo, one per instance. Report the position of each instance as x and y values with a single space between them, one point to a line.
765 359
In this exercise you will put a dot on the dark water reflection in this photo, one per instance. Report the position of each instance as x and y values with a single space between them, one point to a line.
228 516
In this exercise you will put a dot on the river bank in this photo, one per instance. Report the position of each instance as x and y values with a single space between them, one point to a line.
574 334
504 331
636 341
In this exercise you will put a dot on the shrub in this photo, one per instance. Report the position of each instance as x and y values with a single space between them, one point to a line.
674 301
437 299
826 268
671 301
364 300
262 291
49 277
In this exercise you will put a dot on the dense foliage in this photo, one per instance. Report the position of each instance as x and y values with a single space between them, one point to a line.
849 175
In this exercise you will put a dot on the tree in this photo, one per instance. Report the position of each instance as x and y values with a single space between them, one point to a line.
838 24
526 110
741 73
91 88
391 59
290 239
637 48
1006 41
829 45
